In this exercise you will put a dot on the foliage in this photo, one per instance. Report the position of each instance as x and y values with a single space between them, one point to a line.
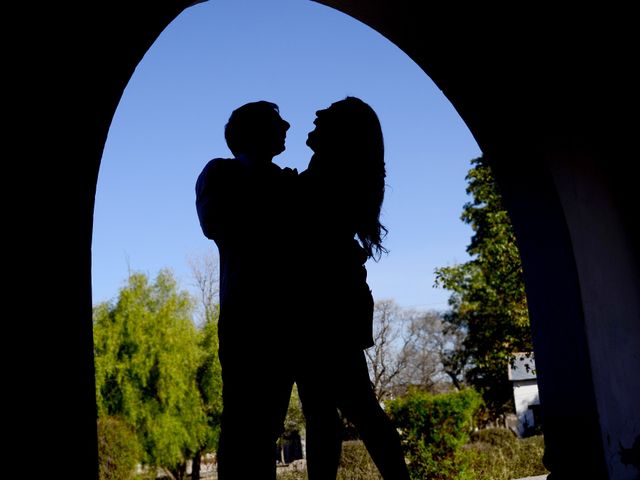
289 444
118 449
294 421
488 300
146 357
209 380
493 454
433 429
496 454
205 273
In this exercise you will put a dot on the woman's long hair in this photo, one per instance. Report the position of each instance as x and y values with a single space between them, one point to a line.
361 146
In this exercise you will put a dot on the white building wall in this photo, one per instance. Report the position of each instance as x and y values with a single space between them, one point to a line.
525 393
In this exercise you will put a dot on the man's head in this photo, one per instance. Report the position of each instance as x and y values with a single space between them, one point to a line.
256 129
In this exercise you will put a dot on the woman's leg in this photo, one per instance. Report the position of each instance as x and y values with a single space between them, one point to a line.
357 401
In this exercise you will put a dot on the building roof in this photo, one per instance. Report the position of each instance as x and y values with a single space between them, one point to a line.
523 367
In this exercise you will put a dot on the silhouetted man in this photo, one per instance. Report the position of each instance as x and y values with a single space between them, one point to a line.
242 206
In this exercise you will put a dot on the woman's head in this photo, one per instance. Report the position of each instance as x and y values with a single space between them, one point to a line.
347 127
347 142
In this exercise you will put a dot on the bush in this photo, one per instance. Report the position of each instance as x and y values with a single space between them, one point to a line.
433 429
118 449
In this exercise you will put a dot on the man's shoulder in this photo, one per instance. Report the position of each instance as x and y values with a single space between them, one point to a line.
221 164
219 167
215 173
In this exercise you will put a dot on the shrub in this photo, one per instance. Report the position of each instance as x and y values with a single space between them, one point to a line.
118 449
433 429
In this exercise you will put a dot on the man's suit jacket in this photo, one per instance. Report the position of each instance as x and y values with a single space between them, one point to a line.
244 208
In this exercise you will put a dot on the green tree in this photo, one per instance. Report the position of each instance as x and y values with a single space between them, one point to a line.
209 381
294 421
146 356
294 424
488 300
118 449
204 271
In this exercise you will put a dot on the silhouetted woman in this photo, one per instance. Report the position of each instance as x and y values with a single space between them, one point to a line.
342 192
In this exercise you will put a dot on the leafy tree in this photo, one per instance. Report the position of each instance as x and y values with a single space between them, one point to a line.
294 421
118 449
204 271
294 428
209 381
488 301
146 357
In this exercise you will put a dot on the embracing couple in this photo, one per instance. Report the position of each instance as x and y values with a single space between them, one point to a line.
295 306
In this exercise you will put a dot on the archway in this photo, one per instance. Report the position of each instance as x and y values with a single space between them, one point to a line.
550 119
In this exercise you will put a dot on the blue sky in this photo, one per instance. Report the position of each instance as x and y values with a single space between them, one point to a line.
303 56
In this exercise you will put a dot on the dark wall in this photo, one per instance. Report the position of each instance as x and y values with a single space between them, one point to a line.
546 93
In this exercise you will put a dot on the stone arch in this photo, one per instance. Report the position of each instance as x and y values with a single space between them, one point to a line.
543 98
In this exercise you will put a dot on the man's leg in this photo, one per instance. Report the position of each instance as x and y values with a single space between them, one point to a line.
323 423
255 394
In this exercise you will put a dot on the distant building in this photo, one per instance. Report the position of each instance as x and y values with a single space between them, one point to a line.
522 373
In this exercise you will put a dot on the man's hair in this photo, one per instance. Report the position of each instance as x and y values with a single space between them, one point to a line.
245 125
